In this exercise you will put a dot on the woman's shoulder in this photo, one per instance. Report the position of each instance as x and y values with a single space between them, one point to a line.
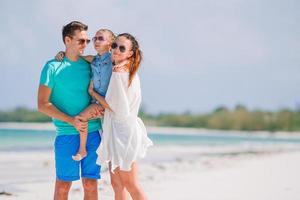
120 77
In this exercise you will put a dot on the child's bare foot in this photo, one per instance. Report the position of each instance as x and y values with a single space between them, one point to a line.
79 156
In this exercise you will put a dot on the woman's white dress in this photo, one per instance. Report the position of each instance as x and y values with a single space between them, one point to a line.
124 136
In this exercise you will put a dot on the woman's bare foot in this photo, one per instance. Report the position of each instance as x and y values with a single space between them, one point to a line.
79 156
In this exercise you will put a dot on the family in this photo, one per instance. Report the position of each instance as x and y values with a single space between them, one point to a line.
94 103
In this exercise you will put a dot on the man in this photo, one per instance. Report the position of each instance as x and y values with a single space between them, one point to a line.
62 95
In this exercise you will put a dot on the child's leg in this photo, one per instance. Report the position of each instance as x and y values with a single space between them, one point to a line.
82 148
86 114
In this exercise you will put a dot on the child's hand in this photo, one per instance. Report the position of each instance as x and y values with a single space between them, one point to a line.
60 56
91 88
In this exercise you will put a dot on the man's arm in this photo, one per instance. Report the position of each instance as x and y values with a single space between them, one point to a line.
60 56
46 107
88 58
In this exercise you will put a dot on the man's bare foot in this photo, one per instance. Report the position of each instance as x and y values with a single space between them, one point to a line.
79 156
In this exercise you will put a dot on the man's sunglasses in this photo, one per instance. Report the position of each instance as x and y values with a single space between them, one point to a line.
121 47
82 41
100 38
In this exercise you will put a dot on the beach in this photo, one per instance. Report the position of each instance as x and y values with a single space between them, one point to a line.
243 171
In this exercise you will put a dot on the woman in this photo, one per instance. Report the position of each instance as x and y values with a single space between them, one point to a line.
124 138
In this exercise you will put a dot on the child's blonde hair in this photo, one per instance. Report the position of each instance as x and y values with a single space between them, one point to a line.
112 36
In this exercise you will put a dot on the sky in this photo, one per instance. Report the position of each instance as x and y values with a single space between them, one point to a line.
198 54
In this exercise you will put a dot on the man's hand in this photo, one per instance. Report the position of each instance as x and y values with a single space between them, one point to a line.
80 124
60 56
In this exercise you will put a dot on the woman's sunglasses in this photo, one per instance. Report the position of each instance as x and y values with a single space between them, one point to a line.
121 47
100 38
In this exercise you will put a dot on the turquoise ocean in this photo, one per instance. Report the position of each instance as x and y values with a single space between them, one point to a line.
32 140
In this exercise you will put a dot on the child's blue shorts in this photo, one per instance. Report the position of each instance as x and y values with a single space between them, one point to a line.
68 169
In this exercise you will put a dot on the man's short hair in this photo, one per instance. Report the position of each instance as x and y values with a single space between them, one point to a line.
70 28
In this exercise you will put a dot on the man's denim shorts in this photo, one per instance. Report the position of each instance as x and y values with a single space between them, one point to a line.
68 169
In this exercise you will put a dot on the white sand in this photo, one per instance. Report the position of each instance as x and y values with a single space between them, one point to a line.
263 177
171 172
240 172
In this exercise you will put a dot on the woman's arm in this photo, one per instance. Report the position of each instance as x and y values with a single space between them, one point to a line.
101 100
98 97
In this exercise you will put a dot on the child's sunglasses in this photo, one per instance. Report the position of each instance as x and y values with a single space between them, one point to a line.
100 38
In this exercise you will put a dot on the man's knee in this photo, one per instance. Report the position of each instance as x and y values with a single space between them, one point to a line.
89 185
62 187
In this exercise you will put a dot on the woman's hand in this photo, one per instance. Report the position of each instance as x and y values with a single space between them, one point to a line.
109 108
96 111
91 89
60 56
122 67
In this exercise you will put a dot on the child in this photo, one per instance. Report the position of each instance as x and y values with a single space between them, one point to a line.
101 66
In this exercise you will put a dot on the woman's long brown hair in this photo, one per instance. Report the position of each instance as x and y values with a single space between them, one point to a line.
135 59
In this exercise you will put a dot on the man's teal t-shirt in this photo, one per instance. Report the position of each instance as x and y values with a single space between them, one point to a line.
69 83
